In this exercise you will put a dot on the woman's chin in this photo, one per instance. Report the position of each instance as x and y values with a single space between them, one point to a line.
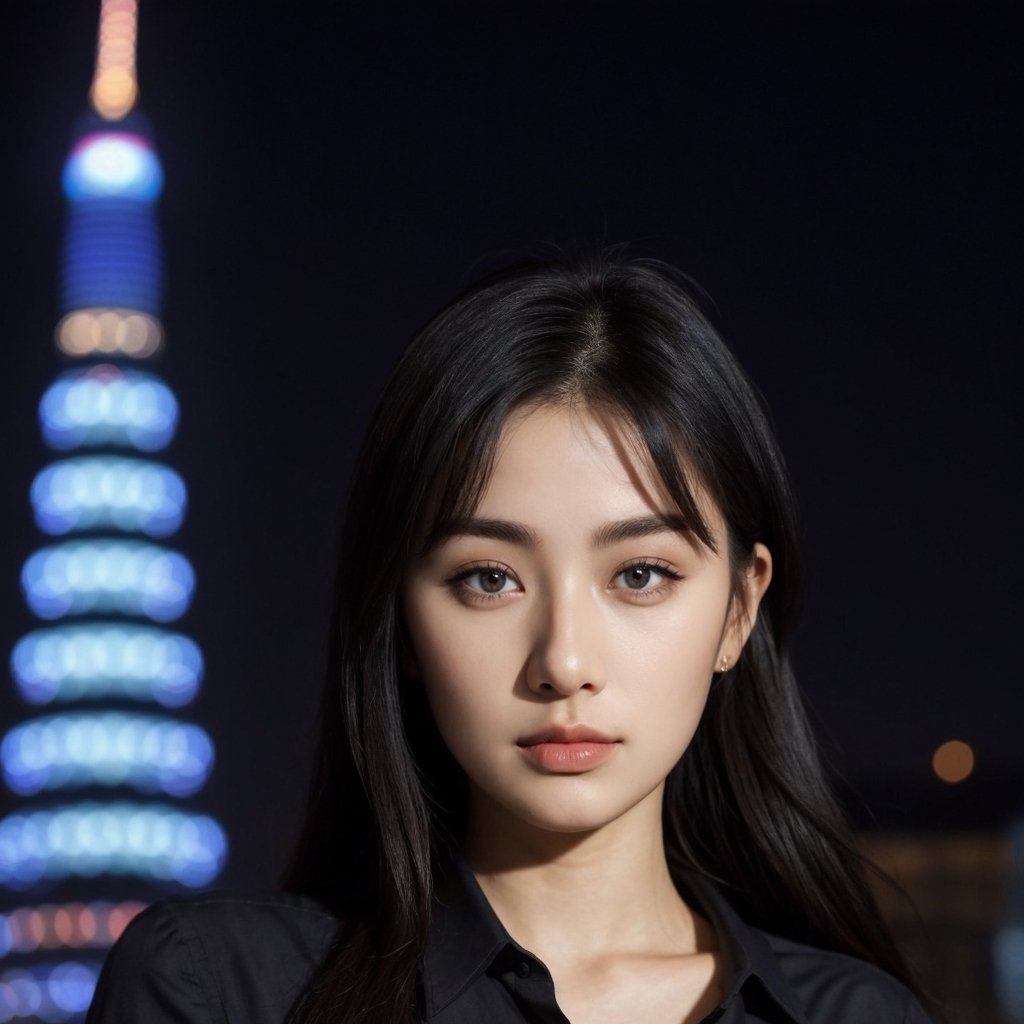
574 813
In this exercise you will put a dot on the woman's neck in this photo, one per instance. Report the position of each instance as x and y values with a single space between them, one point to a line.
577 896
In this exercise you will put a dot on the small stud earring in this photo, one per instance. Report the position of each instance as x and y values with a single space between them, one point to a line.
723 664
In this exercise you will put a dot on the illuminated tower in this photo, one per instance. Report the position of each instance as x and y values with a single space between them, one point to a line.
101 764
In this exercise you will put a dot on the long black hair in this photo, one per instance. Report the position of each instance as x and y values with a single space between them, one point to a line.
747 805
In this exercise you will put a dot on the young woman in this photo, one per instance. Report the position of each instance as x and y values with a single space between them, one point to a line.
563 771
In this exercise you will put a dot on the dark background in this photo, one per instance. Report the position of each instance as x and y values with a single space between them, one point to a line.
844 180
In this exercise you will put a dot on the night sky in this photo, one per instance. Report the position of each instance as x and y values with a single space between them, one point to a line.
843 179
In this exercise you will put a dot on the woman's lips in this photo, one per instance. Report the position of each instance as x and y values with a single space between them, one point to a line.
568 750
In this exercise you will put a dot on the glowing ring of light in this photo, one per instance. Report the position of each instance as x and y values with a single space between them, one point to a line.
94 925
105 405
105 331
105 659
106 748
84 840
97 492
130 577
48 992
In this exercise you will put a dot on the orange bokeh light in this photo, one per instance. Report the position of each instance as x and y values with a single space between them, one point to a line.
86 925
63 926
953 761
114 86
121 916
34 925
100 331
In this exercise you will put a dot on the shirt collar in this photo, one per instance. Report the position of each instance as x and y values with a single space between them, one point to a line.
466 938
748 952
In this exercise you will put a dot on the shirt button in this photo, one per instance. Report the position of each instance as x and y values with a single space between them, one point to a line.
523 969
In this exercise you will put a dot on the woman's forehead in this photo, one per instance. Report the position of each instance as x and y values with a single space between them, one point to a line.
547 449
566 440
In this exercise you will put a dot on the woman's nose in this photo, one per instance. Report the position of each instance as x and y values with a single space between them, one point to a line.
567 654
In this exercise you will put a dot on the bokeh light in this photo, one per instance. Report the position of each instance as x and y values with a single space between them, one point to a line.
105 492
109 511
94 925
51 993
101 576
953 761
105 405
151 841
103 331
112 256
114 93
114 87
1008 961
102 660
106 748
113 164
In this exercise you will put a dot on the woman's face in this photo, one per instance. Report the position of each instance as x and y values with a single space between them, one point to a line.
567 634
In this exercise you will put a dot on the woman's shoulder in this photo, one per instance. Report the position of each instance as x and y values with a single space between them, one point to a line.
812 984
215 957
834 986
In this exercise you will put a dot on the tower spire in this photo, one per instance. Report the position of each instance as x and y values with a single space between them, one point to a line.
114 85
102 755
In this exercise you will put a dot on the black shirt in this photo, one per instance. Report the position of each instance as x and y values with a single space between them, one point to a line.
244 959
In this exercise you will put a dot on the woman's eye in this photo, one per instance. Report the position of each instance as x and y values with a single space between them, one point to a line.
643 576
489 581
493 581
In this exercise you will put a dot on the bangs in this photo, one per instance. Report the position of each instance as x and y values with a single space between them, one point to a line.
464 471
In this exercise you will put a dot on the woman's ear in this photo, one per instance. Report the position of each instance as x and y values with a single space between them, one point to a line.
743 614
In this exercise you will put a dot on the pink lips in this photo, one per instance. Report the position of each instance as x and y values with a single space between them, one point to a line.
567 750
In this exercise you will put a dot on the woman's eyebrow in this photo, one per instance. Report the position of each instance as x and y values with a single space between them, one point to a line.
492 529
517 533
640 526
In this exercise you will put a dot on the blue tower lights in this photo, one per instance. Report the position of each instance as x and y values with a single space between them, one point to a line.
101 760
